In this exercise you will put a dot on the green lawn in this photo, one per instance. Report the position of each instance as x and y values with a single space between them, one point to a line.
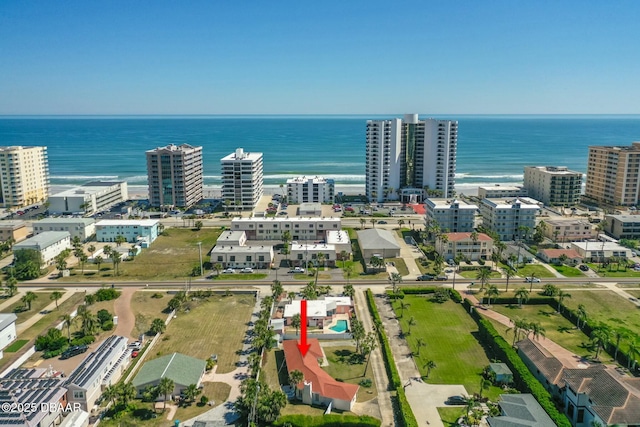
15 346
634 292
401 266
557 328
613 271
37 306
213 326
449 416
176 251
534 269
147 308
450 335
472 274
567 271
345 366
240 276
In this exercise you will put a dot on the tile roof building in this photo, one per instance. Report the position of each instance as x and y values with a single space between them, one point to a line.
318 387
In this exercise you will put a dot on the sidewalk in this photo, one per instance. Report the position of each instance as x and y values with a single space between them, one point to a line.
409 254
21 327
13 299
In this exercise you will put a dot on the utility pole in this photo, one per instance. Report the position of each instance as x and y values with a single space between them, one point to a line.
200 252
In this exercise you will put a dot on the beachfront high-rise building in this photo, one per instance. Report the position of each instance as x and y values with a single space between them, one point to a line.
408 159
613 175
24 176
553 185
242 179
175 175
306 189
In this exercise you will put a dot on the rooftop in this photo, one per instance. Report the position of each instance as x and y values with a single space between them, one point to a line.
6 319
321 381
626 218
96 363
511 203
43 240
174 148
240 154
600 246
89 188
555 170
182 369
336 237
85 221
449 204
520 410
375 238
456 237
316 308
13 224
305 179
557 253
127 222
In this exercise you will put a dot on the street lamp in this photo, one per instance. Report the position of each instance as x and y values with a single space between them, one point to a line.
200 252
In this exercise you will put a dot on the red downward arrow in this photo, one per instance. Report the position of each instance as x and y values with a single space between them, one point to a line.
303 346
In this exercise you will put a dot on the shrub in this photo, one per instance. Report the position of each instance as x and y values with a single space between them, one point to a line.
107 326
52 341
366 382
86 340
107 294
104 316
157 295
332 420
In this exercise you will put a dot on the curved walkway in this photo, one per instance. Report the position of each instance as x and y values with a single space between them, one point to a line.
126 317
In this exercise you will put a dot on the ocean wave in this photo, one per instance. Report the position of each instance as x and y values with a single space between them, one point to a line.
87 177
464 175
337 177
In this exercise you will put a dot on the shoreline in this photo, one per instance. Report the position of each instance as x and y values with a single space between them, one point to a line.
141 192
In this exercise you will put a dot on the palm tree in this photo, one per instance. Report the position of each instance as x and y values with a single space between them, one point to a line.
491 291
165 388
403 306
276 289
400 223
191 392
55 296
127 393
420 343
537 330
509 273
484 385
561 296
362 222
115 258
88 320
430 365
412 322
111 394
106 250
67 322
296 322
395 279
632 353
291 295
618 335
348 271
98 260
12 286
83 259
28 298
158 326
374 222
483 275
519 325
295 378
582 314
600 337
91 249
522 294
349 291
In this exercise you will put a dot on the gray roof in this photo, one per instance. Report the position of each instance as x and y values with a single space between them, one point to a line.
500 368
94 364
85 221
374 238
182 369
520 410
42 240
6 319
550 367
12 223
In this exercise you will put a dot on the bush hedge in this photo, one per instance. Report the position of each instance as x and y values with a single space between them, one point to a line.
423 290
523 378
403 413
106 294
332 420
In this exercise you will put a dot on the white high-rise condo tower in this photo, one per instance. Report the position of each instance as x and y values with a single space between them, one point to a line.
408 159
24 177
242 179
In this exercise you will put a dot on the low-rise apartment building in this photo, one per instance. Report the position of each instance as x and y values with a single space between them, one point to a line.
304 189
303 254
623 226
82 228
509 217
500 191
468 246
16 230
89 198
451 215
568 230
341 241
553 185
234 256
101 368
143 231
48 244
597 251
300 228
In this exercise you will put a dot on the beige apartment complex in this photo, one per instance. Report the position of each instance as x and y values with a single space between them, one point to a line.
242 179
612 175
24 176
553 185
175 175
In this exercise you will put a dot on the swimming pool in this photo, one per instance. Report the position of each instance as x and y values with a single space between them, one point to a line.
341 326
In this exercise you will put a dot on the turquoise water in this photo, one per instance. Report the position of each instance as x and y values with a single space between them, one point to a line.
341 326
491 149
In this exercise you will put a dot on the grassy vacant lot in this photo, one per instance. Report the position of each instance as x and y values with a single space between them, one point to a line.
176 250
345 365
216 325
472 274
537 270
613 271
146 308
216 392
450 337
634 292
37 306
567 271
557 328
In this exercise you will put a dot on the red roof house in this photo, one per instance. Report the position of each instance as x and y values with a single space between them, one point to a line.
318 387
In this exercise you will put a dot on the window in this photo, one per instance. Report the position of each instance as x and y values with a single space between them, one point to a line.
261 258
220 258
248 258
78 394
232 258
580 416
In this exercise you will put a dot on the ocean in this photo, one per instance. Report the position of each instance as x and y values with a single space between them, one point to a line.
491 149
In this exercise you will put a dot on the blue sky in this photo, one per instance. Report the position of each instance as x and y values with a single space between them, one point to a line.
322 57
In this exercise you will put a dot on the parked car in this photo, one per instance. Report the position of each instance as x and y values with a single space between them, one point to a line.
247 270
135 353
425 278
73 351
297 270
456 400
228 271
136 345
441 277
583 267
382 222
531 280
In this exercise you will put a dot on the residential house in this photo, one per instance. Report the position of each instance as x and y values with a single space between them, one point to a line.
560 256
520 410
183 370
82 228
103 367
39 389
543 365
469 246
15 230
8 332
320 312
48 244
318 387
144 231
